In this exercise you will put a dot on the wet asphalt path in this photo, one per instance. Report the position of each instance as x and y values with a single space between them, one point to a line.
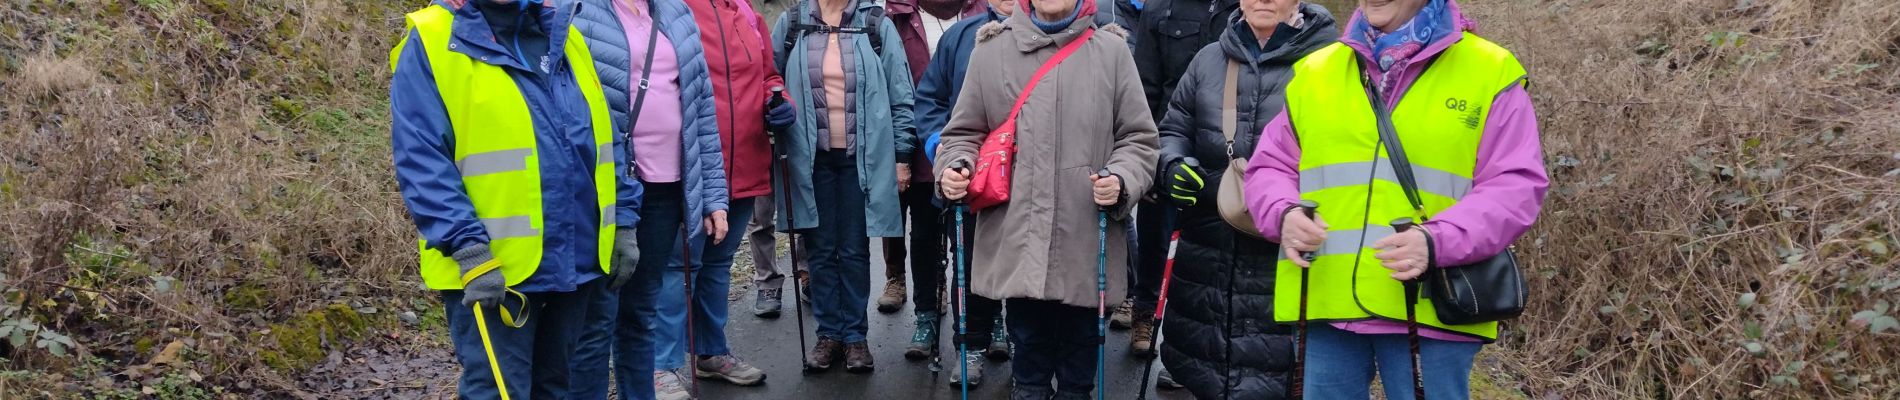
773 346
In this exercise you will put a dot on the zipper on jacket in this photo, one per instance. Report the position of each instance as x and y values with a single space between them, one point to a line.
732 120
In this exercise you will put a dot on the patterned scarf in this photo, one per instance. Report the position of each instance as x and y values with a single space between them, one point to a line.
1393 50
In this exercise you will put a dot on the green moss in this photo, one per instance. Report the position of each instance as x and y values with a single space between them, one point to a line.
1485 385
299 342
246 297
285 110
144 345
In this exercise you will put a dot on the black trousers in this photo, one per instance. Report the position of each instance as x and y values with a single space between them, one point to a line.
1054 342
1154 222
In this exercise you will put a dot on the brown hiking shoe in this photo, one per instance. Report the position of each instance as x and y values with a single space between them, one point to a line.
823 354
1141 338
1120 319
857 358
894 296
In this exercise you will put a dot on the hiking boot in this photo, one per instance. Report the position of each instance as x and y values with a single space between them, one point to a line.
857 358
731 369
767 303
974 361
893 298
1165 381
1141 338
999 342
926 337
823 354
667 385
1120 319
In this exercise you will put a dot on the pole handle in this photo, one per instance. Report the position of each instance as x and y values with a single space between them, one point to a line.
1309 208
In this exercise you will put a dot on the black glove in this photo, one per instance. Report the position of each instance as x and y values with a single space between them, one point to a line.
779 113
626 259
487 288
1185 182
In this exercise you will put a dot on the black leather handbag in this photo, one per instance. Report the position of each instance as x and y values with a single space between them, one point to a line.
1487 291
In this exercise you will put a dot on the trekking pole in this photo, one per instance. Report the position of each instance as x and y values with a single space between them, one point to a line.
1101 297
1411 317
692 356
961 275
785 206
1161 310
1310 208
493 365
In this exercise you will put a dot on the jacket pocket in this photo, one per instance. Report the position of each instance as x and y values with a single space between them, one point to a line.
1180 28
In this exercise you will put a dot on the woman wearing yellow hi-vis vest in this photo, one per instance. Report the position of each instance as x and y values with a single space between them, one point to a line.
1462 118
506 159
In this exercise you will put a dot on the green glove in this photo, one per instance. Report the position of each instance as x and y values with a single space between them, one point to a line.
487 288
626 258
1185 183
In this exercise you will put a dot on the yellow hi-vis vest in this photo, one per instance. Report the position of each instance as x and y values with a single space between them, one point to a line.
495 150
1343 167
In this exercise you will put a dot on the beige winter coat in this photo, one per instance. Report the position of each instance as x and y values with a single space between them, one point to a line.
1087 113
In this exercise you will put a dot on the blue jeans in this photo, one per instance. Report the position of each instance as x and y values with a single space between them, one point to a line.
712 278
534 357
1340 365
619 325
840 258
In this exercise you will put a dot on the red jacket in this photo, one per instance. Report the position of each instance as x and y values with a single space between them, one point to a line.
742 74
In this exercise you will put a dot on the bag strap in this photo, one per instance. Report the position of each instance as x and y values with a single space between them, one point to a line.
1394 149
646 72
1046 67
1229 109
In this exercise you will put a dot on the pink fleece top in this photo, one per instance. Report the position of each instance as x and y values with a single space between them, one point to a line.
656 139
1507 189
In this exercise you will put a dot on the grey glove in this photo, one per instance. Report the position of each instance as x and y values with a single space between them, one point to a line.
489 288
626 258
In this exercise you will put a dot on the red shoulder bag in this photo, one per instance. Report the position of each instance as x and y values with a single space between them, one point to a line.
989 184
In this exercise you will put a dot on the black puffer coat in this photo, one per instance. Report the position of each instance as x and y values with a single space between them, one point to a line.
1219 334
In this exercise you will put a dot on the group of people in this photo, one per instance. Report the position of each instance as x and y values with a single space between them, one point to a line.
847 120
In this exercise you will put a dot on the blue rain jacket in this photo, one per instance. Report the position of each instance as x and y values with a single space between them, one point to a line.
423 143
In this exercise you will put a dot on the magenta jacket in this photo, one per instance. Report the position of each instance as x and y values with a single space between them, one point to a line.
1507 189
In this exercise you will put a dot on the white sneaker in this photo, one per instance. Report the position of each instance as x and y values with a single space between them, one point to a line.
667 386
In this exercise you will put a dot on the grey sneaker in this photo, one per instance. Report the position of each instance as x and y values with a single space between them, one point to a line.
767 303
667 386
731 369
974 361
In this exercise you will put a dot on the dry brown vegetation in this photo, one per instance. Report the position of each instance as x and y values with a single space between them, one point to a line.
1726 181
208 173
198 194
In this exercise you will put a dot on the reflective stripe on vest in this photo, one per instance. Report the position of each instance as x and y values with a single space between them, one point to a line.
495 150
1440 120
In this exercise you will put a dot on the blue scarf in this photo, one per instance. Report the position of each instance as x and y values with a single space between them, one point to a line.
1431 24
1051 27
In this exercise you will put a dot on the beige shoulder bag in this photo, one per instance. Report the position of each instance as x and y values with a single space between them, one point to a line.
1232 202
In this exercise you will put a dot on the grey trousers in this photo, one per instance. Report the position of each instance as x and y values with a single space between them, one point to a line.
764 245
